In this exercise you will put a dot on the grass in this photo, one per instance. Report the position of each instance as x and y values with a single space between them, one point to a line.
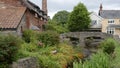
65 54
99 60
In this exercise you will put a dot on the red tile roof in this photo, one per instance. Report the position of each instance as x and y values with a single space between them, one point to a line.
11 17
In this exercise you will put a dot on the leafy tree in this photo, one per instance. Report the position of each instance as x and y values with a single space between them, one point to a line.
53 26
61 17
79 18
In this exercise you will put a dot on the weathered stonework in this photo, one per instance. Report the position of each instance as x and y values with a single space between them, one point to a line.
83 35
26 63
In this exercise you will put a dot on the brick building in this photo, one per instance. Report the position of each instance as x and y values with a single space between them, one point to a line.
18 15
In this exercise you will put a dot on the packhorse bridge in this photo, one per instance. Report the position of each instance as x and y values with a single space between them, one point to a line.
89 41
81 36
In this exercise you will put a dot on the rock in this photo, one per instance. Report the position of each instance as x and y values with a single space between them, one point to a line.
54 52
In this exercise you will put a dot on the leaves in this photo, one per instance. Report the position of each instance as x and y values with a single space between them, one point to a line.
9 46
61 17
49 38
54 26
79 18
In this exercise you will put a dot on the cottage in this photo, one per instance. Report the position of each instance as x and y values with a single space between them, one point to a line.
111 21
12 20
18 15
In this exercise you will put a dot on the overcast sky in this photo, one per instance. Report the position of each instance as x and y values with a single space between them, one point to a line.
93 5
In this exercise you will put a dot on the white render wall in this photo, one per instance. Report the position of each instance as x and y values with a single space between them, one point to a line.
94 16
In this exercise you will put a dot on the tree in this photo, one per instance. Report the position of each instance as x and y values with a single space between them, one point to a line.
61 17
53 26
79 18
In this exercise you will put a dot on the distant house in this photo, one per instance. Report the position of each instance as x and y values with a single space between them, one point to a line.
18 15
111 21
95 21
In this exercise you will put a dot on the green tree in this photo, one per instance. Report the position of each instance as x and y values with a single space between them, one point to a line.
53 26
79 18
61 17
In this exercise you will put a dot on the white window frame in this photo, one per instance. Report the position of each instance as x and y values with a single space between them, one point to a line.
111 31
111 21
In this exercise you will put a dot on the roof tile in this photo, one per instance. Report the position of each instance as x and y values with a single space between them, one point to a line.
10 17
110 14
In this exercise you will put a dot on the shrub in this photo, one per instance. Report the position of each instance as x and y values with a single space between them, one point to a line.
28 35
108 46
30 47
9 46
50 63
4 65
49 38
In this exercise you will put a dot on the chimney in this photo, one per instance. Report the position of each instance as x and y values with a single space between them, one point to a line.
100 9
44 6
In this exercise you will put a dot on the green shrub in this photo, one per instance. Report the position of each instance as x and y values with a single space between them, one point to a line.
30 47
4 65
108 46
9 46
50 63
49 38
28 35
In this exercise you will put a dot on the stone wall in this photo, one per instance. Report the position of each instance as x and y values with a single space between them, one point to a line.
26 63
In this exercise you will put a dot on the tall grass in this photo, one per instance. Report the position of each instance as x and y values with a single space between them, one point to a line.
116 56
99 60
64 55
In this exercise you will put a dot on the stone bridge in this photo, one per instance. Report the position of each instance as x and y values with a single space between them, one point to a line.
82 35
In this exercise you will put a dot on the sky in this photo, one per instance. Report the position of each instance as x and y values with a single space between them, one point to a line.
92 5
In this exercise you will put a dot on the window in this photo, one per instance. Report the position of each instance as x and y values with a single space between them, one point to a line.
94 22
111 21
110 30
36 15
21 29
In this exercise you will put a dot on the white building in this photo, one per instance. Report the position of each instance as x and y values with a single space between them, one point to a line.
96 21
